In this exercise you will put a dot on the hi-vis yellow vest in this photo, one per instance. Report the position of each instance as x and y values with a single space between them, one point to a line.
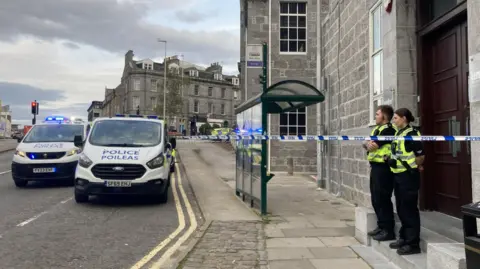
400 154
377 155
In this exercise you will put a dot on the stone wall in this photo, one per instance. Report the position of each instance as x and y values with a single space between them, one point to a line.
346 65
283 66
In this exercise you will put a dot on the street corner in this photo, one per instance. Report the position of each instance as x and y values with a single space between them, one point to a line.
171 251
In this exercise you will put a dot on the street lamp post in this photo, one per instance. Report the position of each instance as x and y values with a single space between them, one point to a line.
165 69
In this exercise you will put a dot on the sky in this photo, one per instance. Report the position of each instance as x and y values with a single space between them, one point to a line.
63 53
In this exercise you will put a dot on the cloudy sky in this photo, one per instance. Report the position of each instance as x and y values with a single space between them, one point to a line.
63 53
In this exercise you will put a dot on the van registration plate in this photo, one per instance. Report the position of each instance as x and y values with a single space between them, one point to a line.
44 170
118 183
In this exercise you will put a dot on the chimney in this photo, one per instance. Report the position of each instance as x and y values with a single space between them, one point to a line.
129 56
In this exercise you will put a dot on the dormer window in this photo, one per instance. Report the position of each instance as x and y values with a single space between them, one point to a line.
217 76
194 73
147 66
236 81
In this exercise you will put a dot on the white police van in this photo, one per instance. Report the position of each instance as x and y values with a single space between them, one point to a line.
47 151
125 155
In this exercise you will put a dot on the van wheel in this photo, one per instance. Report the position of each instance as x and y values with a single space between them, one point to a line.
81 198
20 183
163 197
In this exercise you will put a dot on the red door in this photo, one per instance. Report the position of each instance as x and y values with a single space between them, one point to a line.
448 169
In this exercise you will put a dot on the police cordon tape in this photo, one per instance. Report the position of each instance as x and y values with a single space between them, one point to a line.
329 138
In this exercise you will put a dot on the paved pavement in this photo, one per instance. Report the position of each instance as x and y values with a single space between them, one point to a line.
41 227
235 237
8 144
307 228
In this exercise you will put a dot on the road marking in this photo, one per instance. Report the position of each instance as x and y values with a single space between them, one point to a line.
64 201
181 226
21 224
5 172
191 229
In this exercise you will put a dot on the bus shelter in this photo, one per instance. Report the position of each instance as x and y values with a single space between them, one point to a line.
251 175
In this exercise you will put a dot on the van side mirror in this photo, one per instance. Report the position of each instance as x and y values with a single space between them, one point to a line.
173 142
78 141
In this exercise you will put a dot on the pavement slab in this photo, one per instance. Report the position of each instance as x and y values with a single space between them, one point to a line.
306 228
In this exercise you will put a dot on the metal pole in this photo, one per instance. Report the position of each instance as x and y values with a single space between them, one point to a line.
165 70
263 168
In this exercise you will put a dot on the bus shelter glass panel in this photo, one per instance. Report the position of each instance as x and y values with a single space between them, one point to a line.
247 167
256 149
239 152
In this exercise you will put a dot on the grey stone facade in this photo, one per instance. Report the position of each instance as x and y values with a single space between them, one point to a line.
94 110
344 72
258 27
142 83
346 62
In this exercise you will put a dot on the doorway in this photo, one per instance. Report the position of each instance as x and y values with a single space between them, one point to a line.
446 111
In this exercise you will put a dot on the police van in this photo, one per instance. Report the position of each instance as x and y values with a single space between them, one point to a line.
125 155
47 151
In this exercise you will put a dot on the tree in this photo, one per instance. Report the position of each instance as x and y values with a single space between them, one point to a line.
205 129
174 99
215 126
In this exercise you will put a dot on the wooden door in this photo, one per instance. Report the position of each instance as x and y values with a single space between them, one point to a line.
449 164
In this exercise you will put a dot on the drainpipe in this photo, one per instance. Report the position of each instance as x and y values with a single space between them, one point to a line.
320 183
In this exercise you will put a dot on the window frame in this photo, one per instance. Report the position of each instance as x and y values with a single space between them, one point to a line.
210 91
153 104
223 93
136 82
297 125
197 104
222 109
297 27
196 90
211 108
153 85
372 54
133 102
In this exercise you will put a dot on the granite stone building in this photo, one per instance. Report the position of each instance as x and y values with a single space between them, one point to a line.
95 110
420 54
210 94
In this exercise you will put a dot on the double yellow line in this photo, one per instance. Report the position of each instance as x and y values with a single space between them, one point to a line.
181 226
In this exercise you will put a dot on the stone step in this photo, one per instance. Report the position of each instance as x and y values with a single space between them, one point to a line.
416 261
443 224
428 236
373 257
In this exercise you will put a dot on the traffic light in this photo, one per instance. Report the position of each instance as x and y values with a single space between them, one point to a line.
34 106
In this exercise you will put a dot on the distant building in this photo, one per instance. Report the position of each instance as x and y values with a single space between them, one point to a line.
94 110
211 95
5 121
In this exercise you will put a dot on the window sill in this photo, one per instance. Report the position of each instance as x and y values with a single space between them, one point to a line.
293 53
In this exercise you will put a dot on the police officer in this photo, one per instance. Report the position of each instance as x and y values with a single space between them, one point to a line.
381 178
405 162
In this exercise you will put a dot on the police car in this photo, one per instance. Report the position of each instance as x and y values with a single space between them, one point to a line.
47 151
125 155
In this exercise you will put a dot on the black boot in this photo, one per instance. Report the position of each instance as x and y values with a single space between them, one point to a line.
409 250
397 244
384 236
374 232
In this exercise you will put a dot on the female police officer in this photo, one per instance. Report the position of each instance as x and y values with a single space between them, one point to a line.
405 161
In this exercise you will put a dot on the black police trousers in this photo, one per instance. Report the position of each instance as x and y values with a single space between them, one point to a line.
381 189
407 185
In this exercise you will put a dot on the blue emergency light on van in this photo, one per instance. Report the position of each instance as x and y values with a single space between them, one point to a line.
155 117
56 119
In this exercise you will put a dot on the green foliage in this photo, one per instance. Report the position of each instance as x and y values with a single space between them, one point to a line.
215 126
206 129
174 99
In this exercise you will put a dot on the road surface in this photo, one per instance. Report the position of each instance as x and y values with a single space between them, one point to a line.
42 227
